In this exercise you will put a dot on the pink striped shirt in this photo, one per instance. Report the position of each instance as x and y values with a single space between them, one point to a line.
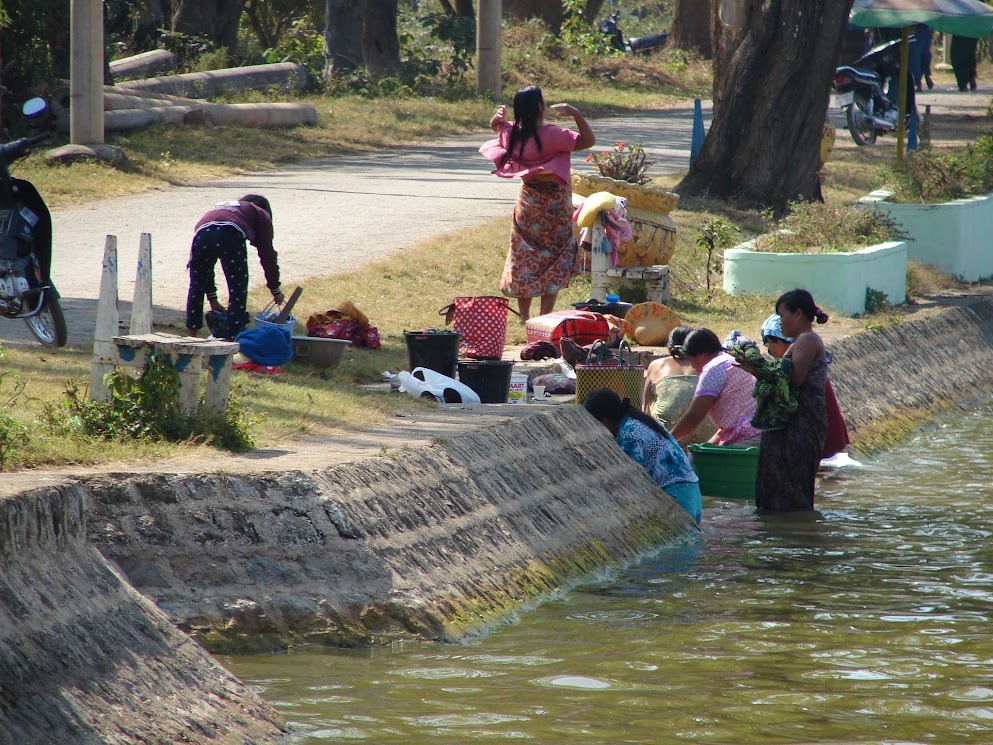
734 406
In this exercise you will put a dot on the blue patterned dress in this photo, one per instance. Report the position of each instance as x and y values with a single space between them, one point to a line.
663 459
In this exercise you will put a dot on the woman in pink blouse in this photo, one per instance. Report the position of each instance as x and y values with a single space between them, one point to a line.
724 392
543 254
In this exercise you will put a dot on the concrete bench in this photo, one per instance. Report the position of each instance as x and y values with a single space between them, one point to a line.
186 354
656 279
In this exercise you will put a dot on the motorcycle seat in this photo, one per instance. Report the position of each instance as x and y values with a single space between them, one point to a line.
862 76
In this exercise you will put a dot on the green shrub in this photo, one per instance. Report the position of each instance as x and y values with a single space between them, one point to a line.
927 175
815 227
146 407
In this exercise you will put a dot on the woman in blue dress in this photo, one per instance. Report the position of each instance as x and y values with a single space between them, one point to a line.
649 443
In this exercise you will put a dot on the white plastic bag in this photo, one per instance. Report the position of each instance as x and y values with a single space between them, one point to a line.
423 382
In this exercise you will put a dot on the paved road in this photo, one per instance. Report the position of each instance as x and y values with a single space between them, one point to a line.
330 215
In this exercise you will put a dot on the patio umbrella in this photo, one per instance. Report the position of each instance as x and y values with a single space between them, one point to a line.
959 17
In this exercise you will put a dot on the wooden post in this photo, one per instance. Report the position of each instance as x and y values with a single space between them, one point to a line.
107 323
488 77
141 306
599 261
902 77
86 72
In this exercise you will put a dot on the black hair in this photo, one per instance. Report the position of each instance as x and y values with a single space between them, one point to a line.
528 103
259 201
604 403
804 302
677 337
702 341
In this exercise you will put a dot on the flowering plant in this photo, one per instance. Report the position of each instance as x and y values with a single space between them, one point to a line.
624 163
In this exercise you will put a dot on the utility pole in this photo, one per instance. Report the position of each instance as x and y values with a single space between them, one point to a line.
488 41
86 72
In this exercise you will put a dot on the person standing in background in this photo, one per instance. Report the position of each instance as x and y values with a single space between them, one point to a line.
544 254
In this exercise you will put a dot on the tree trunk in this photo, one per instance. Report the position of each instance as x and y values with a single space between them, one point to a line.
724 41
762 148
380 45
216 19
691 26
549 11
342 35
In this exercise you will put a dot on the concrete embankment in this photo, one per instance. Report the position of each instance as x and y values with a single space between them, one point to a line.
432 542
85 658
891 381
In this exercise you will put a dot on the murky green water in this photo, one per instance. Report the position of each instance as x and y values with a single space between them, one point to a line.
868 622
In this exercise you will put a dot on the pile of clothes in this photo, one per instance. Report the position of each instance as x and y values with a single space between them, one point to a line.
345 322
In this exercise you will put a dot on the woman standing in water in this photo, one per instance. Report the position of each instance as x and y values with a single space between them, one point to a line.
543 254
789 457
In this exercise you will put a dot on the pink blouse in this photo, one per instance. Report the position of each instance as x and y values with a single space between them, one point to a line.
734 406
557 144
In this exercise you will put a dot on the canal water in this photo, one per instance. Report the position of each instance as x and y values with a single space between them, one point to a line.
867 622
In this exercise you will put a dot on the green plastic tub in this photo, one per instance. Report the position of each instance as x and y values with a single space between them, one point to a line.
725 471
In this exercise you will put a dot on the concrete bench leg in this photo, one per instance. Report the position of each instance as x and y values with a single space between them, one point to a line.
215 398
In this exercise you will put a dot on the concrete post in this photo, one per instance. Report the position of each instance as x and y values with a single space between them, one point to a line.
86 72
488 76
107 325
141 307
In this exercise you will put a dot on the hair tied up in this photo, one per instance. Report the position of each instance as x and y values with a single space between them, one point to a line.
820 315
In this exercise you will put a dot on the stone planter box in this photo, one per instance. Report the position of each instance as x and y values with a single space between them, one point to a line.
952 236
653 230
837 281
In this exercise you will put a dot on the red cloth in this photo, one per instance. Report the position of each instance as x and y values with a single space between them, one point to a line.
837 432
582 326
361 335
254 367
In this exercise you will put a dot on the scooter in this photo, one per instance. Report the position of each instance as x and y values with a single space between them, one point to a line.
866 91
26 288
640 45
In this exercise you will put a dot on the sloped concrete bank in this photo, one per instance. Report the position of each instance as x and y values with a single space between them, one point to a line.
85 658
432 543
891 381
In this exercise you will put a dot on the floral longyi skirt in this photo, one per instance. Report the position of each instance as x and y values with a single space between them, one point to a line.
544 254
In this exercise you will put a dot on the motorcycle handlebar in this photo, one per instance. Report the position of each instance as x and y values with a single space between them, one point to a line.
21 147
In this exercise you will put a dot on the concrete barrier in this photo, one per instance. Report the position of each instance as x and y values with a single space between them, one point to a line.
85 658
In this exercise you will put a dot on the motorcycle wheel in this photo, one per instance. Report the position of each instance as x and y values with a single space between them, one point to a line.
49 326
860 124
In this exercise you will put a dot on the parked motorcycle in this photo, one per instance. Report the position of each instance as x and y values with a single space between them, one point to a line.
610 27
26 289
866 91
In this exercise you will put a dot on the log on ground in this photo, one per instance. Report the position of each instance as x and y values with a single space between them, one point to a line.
144 64
285 76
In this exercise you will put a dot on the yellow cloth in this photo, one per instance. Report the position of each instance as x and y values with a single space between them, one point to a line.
593 205
346 310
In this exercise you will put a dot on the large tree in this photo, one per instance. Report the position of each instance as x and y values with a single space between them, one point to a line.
342 35
762 147
550 11
380 44
691 26
216 19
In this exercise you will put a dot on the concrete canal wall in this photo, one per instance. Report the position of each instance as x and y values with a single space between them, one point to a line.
101 577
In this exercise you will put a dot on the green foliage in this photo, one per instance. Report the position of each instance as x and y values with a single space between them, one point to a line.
815 227
145 407
875 301
188 48
460 33
624 163
579 34
928 175
715 237
301 44
13 434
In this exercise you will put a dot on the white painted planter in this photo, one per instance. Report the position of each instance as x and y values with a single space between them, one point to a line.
837 281
953 237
